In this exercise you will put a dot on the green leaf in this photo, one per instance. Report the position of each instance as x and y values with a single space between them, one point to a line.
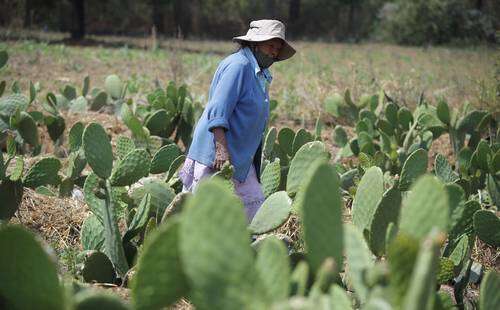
443 170
28 277
414 166
487 227
92 233
271 177
164 157
75 136
134 166
11 194
490 286
43 172
113 86
368 195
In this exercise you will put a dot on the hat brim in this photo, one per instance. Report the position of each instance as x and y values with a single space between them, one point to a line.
286 51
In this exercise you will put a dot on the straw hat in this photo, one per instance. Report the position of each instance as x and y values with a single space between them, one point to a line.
267 29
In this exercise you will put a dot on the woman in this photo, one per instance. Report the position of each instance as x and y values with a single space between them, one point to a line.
232 125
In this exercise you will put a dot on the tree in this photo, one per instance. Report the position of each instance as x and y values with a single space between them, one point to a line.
78 27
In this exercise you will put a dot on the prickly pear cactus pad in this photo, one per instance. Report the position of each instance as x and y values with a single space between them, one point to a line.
487 227
425 208
28 277
92 233
321 215
131 168
97 268
43 172
414 166
164 157
271 177
368 195
98 150
273 213
11 194
160 280
301 164
488 296
215 249
89 299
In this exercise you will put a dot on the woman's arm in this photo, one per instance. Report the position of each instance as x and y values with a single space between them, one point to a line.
221 151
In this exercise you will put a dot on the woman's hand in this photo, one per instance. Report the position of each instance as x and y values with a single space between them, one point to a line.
221 150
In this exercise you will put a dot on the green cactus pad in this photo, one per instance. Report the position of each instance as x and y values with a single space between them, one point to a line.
359 260
28 129
401 258
285 140
75 136
273 213
161 195
415 165
301 137
10 103
4 57
98 150
97 268
405 118
481 156
273 268
333 103
124 145
55 126
461 221
216 254
271 177
140 218
423 279
131 168
368 195
301 164
469 122
425 208
445 271
11 194
92 233
157 122
299 279
340 136
321 215
164 157
98 101
269 142
28 277
487 227
133 123
444 170
460 252
176 164
386 212
90 300
95 203
493 186
489 298
443 112
17 172
339 298
113 86
160 280
43 172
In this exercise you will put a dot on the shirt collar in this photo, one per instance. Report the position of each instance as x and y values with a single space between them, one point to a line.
265 72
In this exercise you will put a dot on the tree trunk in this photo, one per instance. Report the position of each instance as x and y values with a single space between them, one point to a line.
294 16
78 29
157 16
28 11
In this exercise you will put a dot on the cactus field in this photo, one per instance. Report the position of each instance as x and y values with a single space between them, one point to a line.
378 200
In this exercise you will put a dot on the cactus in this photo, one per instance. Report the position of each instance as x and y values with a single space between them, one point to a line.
368 194
17 172
98 150
490 286
164 157
88 300
493 186
285 139
176 164
386 212
93 195
340 300
321 215
415 165
462 219
326 275
273 213
99 101
423 279
124 145
359 260
487 227
333 103
271 177
405 118
140 219
481 156
133 123
161 195
75 137
273 269
269 142
301 164
459 253
114 86
4 57
299 279
131 168
301 137
443 170
92 233
11 194
43 172
26 270
160 280
445 272
10 103
157 121
340 136
97 268
27 129
217 253
425 208
443 112
55 126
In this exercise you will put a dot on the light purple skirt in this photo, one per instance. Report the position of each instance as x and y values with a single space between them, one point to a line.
249 191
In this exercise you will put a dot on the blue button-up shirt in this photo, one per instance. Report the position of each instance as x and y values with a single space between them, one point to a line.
238 101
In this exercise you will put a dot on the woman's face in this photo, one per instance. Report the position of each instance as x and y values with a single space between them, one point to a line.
271 47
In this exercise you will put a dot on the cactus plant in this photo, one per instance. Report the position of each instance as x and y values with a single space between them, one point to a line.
414 166
271 177
11 194
114 86
320 210
43 172
301 137
98 150
164 157
273 213
92 233
89 299
444 170
160 280
4 57
487 227
368 194
27 270
97 268
131 168
75 137
488 296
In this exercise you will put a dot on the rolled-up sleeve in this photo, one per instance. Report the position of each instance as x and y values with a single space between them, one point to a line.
225 96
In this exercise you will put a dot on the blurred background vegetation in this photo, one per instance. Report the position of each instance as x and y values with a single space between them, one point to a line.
412 22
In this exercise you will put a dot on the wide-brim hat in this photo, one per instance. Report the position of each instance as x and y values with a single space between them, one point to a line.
267 29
